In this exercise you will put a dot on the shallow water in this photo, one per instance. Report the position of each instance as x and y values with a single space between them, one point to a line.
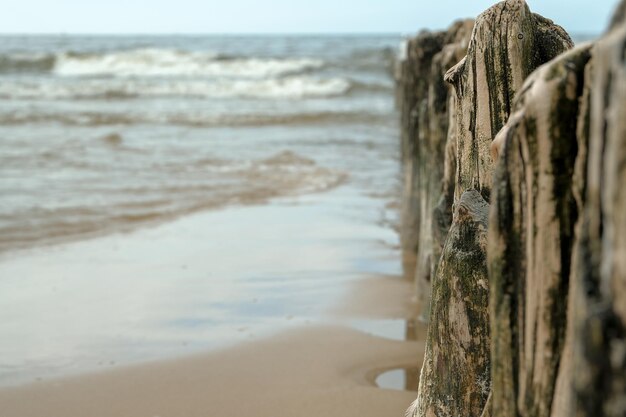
103 134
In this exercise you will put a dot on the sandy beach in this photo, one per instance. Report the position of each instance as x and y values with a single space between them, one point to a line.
311 370
317 351
202 226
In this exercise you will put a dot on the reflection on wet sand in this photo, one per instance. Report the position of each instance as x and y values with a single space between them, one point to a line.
405 379
410 330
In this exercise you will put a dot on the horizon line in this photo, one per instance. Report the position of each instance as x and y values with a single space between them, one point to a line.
267 34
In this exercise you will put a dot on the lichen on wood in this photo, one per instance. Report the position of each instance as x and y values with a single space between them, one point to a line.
531 237
508 43
412 97
424 98
552 124
455 378
599 270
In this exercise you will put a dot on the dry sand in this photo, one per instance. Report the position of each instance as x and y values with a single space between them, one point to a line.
311 371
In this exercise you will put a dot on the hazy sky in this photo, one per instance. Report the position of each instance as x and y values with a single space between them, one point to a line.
273 16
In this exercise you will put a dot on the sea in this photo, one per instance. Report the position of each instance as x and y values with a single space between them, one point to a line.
165 195
101 134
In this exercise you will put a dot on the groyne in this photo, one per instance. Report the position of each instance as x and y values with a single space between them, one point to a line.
514 215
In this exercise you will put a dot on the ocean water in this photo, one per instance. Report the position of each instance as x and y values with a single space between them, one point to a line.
167 195
106 134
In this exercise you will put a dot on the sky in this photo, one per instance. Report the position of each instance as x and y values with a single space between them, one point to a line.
275 16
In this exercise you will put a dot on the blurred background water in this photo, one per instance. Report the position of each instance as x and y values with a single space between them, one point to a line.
106 133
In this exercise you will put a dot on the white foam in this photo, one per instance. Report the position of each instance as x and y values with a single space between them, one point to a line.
166 62
288 87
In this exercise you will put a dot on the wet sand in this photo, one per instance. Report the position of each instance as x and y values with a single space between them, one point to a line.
388 297
201 283
322 371
309 371
307 321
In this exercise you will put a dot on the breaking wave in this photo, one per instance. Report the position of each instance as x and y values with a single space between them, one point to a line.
288 87
26 63
155 62
160 72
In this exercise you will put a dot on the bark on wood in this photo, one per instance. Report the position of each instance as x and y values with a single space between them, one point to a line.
413 87
557 227
432 163
424 98
455 375
589 360
508 43
440 217
599 293
531 237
